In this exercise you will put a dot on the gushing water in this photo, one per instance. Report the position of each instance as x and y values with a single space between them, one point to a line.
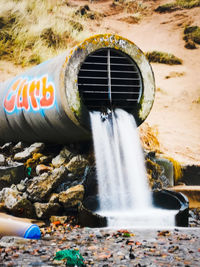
123 189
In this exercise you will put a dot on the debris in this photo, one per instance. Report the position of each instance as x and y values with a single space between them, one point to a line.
73 257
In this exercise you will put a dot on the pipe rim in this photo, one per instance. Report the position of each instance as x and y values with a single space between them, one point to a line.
78 111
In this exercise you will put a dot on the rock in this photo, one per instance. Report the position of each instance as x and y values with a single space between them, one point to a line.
29 151
54 198
12 241
42 186
72 196
61 219
77 165
45 159
66 185
41 168
16 204
2 160
21 187
45 210
6 148
58 161
64 157
11 174
18 147
168 171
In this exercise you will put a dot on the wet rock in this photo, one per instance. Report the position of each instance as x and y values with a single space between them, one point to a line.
90 182
45 210
42 186
16 203
77 165
64 157
92 202
11 174
41 168
72 196
87 218
29 151
2 160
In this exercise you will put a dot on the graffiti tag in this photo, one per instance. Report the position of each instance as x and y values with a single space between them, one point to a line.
29 95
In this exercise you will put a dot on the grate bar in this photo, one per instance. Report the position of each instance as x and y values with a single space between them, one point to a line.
114 85
109 77
104 92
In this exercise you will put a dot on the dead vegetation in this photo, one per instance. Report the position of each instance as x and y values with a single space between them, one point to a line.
191 36
33 31
149 138
177 5
163 57
177 169
136 8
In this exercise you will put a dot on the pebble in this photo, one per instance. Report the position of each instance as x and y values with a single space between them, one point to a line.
104 247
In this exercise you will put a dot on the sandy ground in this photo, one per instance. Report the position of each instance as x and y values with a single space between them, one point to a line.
176 109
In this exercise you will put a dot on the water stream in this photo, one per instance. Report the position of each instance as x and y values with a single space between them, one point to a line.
125 198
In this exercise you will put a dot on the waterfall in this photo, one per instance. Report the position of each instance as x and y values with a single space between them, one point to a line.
125 198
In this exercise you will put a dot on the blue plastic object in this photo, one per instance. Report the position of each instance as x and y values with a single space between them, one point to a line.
33 232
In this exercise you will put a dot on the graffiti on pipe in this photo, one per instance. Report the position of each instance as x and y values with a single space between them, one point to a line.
30 95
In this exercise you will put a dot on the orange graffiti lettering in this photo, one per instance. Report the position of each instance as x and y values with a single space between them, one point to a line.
30 95
34 91
47 94
9 101
22 96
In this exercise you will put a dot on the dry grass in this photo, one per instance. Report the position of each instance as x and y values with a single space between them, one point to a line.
178 4
131 6
149 138
164 58
35 30
177 168
191 36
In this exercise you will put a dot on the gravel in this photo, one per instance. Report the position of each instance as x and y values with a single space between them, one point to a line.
105 247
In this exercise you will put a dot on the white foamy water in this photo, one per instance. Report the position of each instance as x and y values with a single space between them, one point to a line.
125 198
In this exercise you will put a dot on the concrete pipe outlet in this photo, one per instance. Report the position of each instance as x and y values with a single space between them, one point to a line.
51 102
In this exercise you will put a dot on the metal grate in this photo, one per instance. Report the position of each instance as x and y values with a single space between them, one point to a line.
109 78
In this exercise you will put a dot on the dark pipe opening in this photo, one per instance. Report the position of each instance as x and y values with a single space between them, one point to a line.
109 78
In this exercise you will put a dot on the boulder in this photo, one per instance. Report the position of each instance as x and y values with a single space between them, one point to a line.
41 168
11 174
6 148
77 165
19 147
28 152
54 198
63 157
58 161
42 186
45 210
2 160
16 203
72 196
